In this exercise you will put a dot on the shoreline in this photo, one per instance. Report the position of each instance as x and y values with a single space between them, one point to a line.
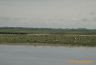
47 46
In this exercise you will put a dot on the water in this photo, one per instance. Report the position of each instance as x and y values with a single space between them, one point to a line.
27 55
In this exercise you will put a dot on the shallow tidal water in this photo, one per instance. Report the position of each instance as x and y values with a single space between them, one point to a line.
30 55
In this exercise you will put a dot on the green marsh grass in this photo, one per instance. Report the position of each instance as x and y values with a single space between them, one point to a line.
48 39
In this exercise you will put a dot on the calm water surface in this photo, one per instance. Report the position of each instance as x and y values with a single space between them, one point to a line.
27 55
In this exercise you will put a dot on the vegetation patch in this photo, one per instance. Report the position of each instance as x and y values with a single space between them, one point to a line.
47 37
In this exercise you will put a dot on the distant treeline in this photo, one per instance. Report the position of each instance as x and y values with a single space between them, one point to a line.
23 30
12 33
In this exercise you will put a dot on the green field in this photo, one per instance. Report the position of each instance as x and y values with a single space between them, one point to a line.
48 37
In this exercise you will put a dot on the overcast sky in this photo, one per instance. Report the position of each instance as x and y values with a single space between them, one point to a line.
48 13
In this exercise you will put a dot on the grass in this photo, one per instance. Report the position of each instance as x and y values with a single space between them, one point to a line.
48 36
49 39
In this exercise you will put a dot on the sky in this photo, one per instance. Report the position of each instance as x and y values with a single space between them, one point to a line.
48 13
